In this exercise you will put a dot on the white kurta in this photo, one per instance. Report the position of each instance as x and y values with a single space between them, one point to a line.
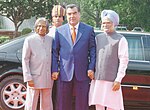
36 60
36 63
101 91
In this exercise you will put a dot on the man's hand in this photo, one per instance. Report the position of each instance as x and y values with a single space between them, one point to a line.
31 83
91 74
55 75
116 86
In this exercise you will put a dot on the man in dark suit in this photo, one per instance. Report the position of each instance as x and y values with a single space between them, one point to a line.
74 53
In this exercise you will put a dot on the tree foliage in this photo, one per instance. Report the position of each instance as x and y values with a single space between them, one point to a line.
92 9
19 10
132 12
16 11
43 8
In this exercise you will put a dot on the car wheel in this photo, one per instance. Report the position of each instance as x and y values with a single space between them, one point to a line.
13 93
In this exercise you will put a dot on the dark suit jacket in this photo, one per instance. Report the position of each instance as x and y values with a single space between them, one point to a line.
75 58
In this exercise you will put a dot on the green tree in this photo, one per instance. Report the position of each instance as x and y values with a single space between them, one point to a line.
19 10
92 10
0 24
16 11
133 13
42 8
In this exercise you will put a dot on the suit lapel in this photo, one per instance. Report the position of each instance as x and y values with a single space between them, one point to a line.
67 34
80 32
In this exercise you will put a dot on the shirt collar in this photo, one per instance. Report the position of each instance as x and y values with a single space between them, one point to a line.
76 26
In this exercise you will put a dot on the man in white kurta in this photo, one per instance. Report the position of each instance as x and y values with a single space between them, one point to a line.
36 63
111 64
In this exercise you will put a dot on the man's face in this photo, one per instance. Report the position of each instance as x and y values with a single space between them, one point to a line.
107 25
57 20
41 28
73 16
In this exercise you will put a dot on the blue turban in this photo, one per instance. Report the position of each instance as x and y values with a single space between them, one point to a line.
112 15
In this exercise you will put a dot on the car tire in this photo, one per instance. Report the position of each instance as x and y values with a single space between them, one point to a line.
13 93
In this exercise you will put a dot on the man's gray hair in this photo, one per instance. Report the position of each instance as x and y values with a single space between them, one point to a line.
39 20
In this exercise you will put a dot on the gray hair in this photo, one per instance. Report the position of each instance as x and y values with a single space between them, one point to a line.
39 20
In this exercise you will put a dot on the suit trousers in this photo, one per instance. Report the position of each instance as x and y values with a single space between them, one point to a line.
33 96
72 95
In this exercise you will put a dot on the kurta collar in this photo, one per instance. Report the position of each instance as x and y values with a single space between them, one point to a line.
41 38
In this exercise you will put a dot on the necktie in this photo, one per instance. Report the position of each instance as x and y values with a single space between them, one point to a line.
73 34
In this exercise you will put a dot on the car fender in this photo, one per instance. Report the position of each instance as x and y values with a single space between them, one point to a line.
17 71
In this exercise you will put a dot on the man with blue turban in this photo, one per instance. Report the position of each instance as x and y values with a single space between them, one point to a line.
111 64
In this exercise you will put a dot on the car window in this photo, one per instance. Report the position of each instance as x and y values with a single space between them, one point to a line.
135 48
146 43
135 44
139 46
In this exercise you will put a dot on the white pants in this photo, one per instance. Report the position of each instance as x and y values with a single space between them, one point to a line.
45 99
99 107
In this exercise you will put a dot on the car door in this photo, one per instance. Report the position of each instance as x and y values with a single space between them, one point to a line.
136 83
